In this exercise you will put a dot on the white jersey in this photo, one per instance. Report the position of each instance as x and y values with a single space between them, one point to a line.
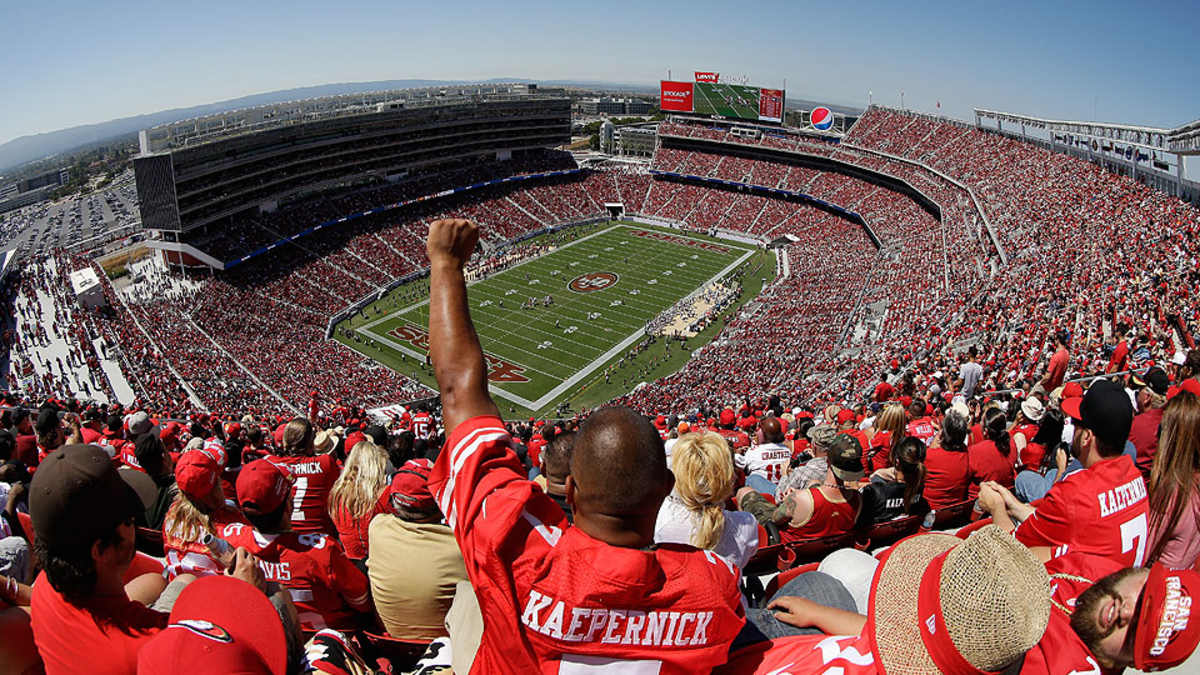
769 461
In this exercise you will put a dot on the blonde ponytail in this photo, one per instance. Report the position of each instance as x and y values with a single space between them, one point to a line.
703 471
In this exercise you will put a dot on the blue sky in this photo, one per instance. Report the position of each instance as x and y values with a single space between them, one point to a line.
75 62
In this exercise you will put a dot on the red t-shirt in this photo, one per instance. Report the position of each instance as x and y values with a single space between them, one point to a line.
1060 649
884 391
946 480
553 597
535 445
878 455
314 477
328 590
841 654
352 532
100 637
1057 369
984 463
1102 510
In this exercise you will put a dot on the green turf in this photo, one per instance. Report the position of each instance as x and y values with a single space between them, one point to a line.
537 355
725 100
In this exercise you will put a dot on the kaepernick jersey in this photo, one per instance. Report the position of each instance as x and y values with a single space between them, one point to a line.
769 461
312 477
554 599
841 654
1102 510
1060 649
192 557
327 589
422 425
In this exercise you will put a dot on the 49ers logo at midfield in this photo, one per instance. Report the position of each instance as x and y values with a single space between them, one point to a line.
595 281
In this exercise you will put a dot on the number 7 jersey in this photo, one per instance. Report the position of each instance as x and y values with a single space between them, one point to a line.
312 479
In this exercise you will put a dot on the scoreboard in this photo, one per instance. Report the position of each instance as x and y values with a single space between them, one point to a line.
715 99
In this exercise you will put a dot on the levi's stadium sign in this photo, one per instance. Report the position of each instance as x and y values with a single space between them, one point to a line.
707 77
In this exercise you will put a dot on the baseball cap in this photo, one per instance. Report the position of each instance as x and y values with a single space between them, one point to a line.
1072 390
660 422
262 487
410 487
77 496
727 417
822 435
1105 410
942 604
845 415
845 458
139 423
1162 638
219 624
196 473
1033 409
1155 378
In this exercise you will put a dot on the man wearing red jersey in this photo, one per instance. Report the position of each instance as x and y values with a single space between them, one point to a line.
1056 369
313 476
422 424
1104 616
1102 510
919 424
328 590
555 597
727 429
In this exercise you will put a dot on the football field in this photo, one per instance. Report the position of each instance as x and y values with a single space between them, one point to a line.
548 323
727 100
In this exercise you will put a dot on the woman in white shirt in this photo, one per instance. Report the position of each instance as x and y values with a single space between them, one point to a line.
694 513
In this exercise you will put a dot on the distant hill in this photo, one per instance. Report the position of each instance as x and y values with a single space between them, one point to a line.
39 146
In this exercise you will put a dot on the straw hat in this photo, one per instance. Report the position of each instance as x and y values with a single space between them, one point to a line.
977 606
324 441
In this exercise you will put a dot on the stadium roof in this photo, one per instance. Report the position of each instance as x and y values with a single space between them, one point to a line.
1183 140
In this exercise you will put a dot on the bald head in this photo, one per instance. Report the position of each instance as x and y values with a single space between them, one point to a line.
618 465
771 429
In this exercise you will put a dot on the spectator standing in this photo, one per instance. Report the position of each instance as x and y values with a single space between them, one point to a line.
694 512
358 495
1175 486
970 373
619 478
416 563
1056 369
312 477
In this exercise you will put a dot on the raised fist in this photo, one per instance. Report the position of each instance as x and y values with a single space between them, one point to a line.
451 241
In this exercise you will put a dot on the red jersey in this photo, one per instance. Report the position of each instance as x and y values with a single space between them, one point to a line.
184 556
1060 649
552 597
884 392
535 445
102 636
736 439
328 590
129 458
1102 510
1057 370
313 478
922 428
842 654
422 425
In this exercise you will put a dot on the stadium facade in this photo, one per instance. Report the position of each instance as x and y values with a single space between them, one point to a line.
197 176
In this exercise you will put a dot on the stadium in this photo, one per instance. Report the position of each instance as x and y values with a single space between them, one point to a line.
762 278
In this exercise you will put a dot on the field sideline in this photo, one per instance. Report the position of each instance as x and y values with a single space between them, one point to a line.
605 288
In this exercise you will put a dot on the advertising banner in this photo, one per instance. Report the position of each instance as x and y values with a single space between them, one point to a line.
707 77
770 105
676 96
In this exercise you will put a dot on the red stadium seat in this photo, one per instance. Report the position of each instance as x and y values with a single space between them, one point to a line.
882 534
953 515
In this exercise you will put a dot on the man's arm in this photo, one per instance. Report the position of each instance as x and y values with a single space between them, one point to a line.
454 346
802 613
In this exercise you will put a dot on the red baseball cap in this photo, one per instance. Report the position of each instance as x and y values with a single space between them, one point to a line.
845 415
1072 390
196 474
1164 637
727 417
410 487
262 487
219 624
660 422
747 422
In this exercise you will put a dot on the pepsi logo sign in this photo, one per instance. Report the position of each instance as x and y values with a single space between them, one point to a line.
594 281
821 118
